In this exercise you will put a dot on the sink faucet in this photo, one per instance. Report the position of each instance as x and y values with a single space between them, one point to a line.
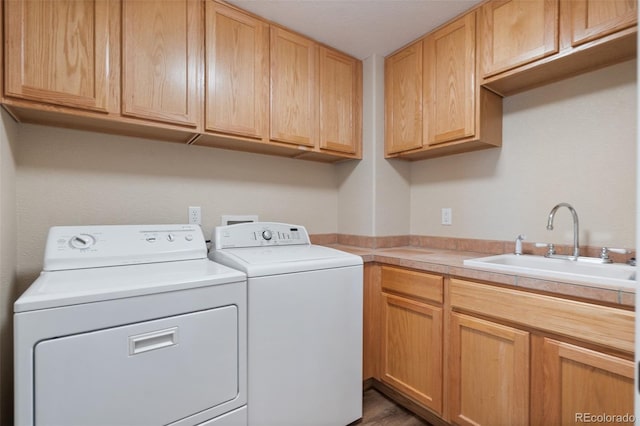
576 247
518 250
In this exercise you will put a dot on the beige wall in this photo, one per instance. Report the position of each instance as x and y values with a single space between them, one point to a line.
374 193
391 178
8 287
68 177
355 192
572 141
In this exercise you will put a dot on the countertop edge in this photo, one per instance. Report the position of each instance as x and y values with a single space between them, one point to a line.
449 262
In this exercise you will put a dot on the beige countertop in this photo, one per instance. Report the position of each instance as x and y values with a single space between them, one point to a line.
448 262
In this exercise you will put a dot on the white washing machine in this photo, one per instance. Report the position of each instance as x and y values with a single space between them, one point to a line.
131 325
304 324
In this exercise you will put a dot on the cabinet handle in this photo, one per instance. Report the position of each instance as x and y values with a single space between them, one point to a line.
154 340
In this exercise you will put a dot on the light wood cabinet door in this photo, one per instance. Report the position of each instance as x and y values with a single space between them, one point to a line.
412 349
161 60
237 70
489 373
450 86
294 98
340 93
372 322
570 382
516 32
403 99
63 52
592 19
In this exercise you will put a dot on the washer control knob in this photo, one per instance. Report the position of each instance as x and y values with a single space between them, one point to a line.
82 241
188 237
171 238
267 235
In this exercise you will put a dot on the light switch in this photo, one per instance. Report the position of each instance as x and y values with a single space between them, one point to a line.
446 216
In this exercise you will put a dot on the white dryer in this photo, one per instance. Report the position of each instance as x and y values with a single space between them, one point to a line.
304 324
131 325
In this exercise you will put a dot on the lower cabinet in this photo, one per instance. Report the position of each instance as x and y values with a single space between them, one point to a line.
412 349
574 385
411 343
489 373
520 358
470 353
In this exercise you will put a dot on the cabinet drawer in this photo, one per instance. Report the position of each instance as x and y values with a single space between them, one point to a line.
571 318
415 284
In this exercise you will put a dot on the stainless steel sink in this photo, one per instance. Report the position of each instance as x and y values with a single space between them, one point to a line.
558 269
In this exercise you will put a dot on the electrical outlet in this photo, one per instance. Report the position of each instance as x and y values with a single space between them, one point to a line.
447 216
195 216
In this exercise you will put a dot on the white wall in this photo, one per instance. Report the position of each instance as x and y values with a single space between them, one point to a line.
572 141
8 286
68 177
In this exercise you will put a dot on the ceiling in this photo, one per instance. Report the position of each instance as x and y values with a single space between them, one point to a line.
360 28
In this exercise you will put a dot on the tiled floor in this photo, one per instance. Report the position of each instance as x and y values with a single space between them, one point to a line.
378 410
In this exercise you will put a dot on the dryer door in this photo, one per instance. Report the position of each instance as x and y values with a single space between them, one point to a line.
150 373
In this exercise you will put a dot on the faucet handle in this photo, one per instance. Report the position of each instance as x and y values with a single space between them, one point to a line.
616 250
551 249
604 253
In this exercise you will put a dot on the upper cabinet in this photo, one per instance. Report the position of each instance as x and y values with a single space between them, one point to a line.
449 92
403 99
316 97
340 102
434 104
205 72
443 92
593 19
161 60
271 90
237 72
193 71
294 93
517 32
63 53
525 44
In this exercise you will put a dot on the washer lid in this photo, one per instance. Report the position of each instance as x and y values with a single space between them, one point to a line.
54 289
274 260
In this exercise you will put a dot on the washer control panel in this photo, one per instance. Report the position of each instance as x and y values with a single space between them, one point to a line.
256 234
78 247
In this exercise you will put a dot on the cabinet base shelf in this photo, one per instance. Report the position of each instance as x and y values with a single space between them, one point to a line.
24 112
610 50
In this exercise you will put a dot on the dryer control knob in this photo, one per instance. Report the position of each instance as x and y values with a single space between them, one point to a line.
82 241
267 235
